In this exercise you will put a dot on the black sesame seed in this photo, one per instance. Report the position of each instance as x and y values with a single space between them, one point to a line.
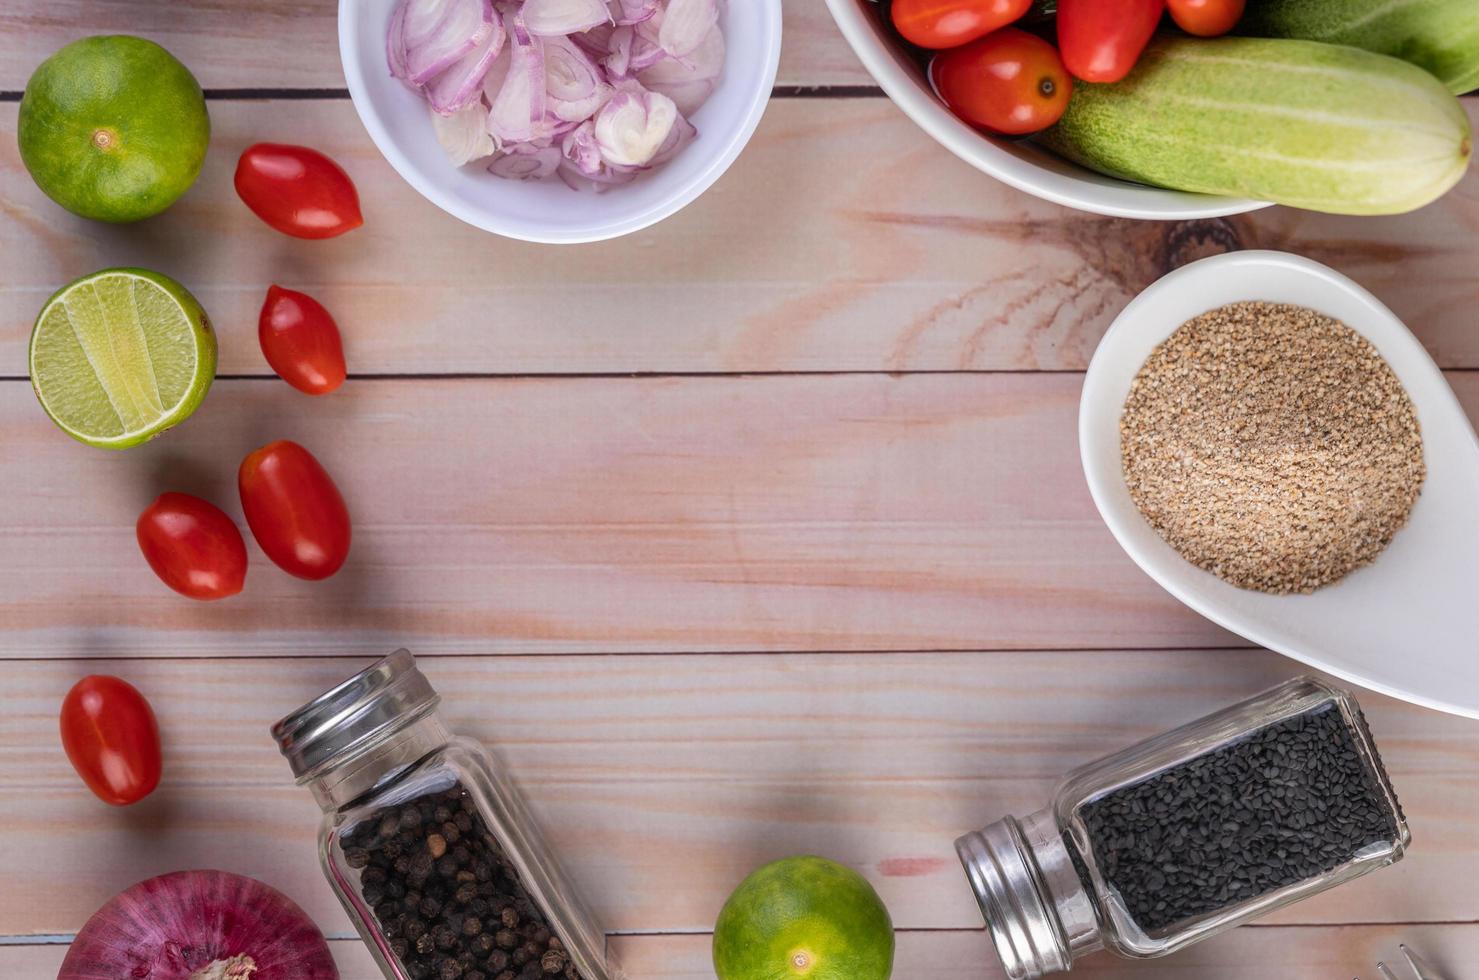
1288 803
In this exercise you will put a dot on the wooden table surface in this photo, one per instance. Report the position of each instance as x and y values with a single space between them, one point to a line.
759 532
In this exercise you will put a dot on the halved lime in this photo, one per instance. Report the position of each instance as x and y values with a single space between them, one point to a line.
121 355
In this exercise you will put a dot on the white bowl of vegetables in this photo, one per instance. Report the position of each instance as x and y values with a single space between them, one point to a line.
560 121
1166 124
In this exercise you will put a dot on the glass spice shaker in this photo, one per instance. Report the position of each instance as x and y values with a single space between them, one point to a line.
428 844
1189 833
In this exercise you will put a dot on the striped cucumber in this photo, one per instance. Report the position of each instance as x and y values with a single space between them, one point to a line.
1316 126
1439 35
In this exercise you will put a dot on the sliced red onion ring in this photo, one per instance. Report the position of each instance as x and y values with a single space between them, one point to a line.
429 36
633 126
519 107
572 81
462 85
551 18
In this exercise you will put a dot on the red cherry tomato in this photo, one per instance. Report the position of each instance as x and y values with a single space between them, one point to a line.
1206 18
301 341
1102 39
294 510
951 23
192 546
1009 82
297 190
111 738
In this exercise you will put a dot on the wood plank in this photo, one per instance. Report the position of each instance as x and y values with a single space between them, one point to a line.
862 512
843 240
1289 954
228 50
777 513
849 512
663 780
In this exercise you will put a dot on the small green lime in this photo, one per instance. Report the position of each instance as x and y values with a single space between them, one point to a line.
804 918
121 355
113 128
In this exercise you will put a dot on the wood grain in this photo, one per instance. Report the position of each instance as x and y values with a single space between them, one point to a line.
1318 953
845 512
799 512
843 240
663 780
227 50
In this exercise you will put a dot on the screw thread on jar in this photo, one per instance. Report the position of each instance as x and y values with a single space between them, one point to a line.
1039 914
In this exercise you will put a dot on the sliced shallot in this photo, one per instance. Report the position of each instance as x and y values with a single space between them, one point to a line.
429 36
685 24
518 110
464 135
691 81
461 85
633 126
550 18
595 92
573 83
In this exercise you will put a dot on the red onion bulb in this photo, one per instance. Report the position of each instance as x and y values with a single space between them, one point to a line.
199 925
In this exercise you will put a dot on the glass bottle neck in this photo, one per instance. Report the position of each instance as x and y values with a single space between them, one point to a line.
1039 911
342 781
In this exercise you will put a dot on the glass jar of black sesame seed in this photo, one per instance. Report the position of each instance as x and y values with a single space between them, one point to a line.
1189 833
429 845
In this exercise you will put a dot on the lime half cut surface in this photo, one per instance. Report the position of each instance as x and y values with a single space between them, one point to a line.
121 355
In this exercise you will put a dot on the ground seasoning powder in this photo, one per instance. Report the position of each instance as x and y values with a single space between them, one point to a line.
1272 446
1289 802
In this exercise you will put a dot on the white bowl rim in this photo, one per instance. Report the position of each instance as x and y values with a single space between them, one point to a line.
1121 199
690 191
1100 489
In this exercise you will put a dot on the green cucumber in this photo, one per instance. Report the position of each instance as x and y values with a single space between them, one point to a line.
1439 35
1316 126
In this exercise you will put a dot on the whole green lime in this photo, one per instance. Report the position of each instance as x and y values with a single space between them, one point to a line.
804 918
113 128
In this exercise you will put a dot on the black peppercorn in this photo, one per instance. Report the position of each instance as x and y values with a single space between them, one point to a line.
446 898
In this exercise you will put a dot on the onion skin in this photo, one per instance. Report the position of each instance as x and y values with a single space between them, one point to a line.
175 926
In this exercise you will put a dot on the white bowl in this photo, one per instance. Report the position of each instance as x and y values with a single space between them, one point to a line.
1406 625
549 211
1023 165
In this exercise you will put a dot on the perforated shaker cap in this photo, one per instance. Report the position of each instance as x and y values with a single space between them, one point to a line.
383 698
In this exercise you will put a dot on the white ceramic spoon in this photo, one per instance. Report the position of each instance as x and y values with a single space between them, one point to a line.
1406 625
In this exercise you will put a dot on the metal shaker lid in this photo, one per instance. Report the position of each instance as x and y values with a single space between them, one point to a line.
381 699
